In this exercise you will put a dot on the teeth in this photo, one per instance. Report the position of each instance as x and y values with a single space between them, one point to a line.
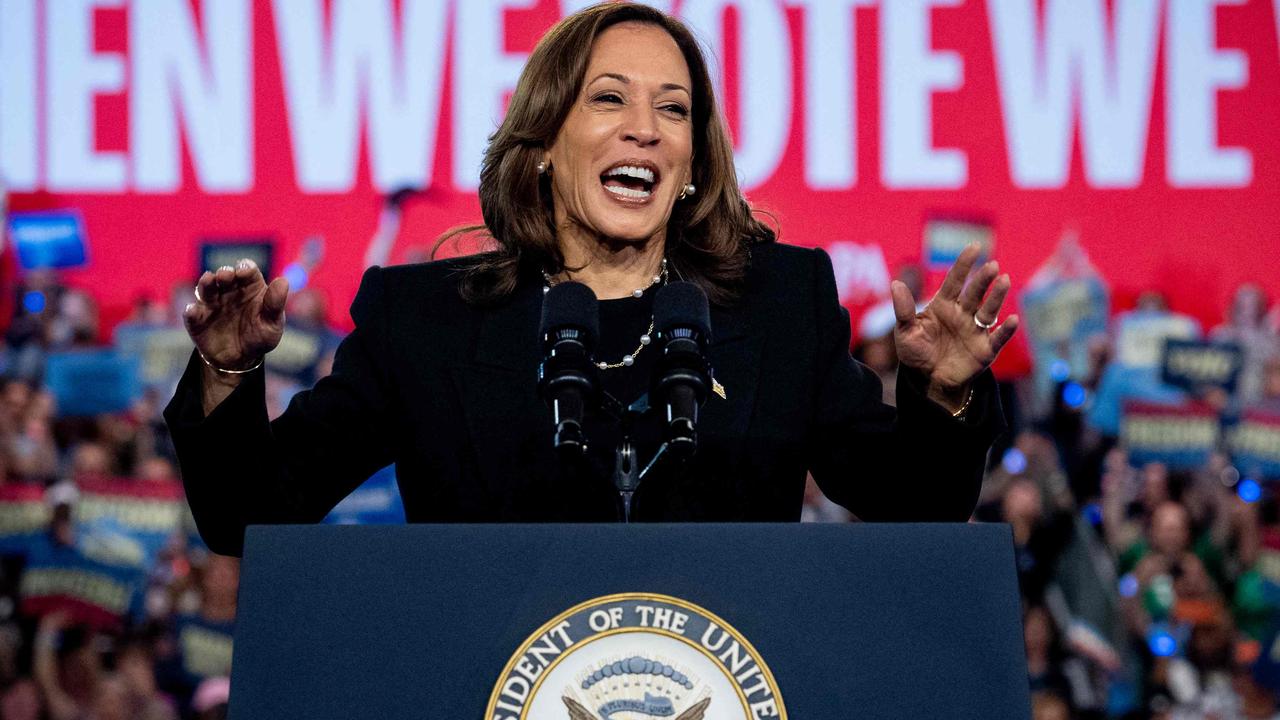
628 192
638 173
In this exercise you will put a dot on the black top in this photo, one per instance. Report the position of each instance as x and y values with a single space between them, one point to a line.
622 322
447 391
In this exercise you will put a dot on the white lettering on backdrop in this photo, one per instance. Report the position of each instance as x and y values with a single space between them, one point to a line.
366 75
1075 63
361 71
1197 70
18 98
215 99
75 73
483 74
830 92
764 78
910 73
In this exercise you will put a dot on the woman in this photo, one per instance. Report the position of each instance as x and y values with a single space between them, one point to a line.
613 169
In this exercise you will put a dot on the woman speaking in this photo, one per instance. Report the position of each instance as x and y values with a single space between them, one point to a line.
612 169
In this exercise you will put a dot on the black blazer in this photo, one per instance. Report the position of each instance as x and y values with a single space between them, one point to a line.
447 392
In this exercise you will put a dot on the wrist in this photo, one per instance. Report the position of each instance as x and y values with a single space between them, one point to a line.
230 372
215 379
954 400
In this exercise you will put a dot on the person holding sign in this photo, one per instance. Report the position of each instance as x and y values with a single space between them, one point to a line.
612 169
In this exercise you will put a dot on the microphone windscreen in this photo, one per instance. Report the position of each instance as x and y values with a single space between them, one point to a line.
571 304
682 304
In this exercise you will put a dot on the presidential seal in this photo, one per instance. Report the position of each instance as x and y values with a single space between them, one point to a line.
636 656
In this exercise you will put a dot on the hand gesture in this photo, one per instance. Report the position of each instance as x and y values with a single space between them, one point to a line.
237 317
952 340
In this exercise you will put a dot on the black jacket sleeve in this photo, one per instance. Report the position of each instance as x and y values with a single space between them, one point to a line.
240 469
917 463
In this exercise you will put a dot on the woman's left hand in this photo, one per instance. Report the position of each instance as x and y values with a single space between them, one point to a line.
947 341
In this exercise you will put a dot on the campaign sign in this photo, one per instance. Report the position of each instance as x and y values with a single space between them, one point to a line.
1121 384
1193 364
1255 444
215 253
204 648
297 354
23 517
1180 436
946 237
1060 317
92 382
1141 335
142 514
163 352
49 239
64 577
376 502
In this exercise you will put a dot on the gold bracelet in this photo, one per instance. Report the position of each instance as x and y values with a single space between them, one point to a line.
965 406
221 371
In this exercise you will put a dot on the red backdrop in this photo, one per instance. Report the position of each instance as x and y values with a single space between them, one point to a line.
1192 231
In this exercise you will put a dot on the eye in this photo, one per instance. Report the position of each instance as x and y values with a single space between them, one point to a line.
609 97
677 109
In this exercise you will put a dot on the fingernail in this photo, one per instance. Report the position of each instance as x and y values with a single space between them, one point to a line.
226 267
189 308
245 264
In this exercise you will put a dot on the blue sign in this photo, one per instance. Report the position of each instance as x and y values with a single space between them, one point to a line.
1191 364
82 578
376 502
51 239
1255 444
946 238
92 382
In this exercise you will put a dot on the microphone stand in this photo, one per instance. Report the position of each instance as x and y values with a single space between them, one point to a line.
627 473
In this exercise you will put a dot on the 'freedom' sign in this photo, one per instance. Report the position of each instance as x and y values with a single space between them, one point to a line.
1180 436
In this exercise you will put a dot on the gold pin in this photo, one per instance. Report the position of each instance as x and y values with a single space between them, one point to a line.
718 389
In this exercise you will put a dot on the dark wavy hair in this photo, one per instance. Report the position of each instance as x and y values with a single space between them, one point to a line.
708 236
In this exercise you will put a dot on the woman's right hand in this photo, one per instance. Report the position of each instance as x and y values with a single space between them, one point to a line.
237 317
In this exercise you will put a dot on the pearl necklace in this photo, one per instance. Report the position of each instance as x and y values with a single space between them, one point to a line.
629 359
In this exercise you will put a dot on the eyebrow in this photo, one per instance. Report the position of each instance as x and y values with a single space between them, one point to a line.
627 81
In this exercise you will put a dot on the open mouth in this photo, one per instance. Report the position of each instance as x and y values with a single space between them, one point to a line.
631 180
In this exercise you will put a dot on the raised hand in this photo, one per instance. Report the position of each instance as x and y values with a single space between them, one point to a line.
955 337
237 317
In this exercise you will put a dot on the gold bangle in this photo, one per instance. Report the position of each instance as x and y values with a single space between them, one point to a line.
222 371
965 406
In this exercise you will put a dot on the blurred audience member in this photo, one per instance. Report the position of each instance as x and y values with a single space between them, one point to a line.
1246 325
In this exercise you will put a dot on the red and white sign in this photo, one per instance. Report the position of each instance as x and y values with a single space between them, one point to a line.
1146 125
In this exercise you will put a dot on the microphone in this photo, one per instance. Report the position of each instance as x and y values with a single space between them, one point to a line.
682 320
567 378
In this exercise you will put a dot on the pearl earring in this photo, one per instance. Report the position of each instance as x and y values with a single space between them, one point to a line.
542 167
688 190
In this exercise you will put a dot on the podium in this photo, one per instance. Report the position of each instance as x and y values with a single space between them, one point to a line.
617 622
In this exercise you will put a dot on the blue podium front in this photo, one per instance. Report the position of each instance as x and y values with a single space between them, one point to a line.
629 622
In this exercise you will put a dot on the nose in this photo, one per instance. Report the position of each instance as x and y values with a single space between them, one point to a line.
640 126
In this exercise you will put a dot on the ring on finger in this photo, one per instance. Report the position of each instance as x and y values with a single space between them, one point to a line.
984 326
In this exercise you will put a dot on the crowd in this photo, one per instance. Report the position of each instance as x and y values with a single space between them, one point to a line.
110 608
1148 562
1150 584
